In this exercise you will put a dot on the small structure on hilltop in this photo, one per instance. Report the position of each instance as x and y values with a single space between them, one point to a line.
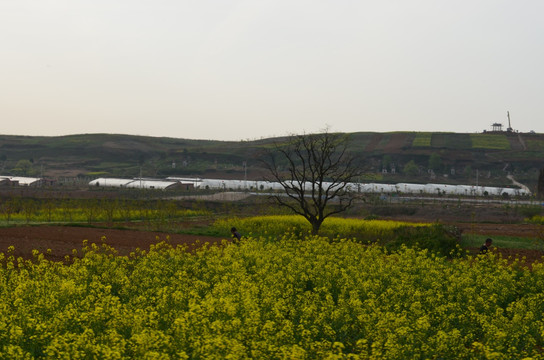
497 127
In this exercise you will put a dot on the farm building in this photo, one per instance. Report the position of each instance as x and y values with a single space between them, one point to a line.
141 183
194 182
20 181
228 184
154 184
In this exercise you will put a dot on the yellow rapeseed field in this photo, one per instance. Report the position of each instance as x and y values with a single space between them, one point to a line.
283 299
278 225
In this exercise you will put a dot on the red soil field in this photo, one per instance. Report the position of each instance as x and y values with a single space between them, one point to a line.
63 239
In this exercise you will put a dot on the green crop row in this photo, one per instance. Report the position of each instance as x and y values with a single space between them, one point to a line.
422 140
90 210
287 299
490 141
535 145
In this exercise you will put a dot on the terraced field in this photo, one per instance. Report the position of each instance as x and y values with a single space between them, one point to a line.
490 141
451 141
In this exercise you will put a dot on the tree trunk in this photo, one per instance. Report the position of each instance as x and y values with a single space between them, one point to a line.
316 224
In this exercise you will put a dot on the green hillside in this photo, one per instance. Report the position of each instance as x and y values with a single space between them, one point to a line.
458 158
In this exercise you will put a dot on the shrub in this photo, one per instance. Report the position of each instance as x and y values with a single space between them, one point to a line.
437 238
530 211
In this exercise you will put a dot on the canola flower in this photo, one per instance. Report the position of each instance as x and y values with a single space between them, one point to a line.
392 234
287 299
537 219
278 225
49 210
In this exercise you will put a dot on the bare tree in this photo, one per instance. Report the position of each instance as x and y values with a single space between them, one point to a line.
315 171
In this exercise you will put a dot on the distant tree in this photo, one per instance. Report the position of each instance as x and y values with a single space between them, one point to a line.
24 168
3 160
9 207
386 162
468 171
141 159
540 186
109 207
435 162
91 208
48 205
29 207
314 171
411 168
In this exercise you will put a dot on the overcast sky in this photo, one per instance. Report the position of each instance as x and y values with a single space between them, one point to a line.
229 70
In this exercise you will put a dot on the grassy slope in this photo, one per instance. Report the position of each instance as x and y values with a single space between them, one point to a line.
123 155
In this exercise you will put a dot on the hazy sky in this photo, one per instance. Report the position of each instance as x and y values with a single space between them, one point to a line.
230 70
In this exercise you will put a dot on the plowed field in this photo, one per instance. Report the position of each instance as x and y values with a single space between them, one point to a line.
63 239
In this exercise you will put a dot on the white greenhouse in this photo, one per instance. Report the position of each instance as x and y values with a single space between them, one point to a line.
137 183
21 180
375 188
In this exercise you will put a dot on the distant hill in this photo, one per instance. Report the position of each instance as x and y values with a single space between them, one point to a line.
484 158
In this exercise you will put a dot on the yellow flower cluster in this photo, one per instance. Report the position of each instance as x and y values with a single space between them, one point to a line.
537 219
287 299
422 139
91 210
332 227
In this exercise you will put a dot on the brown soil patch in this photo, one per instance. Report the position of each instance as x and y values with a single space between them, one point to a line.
63 239
525 256
518 230
374 141
397 141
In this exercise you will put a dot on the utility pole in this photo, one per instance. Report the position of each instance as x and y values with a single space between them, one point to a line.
245 174
509 125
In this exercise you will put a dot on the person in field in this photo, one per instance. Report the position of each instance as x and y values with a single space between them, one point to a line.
236 236
485 247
